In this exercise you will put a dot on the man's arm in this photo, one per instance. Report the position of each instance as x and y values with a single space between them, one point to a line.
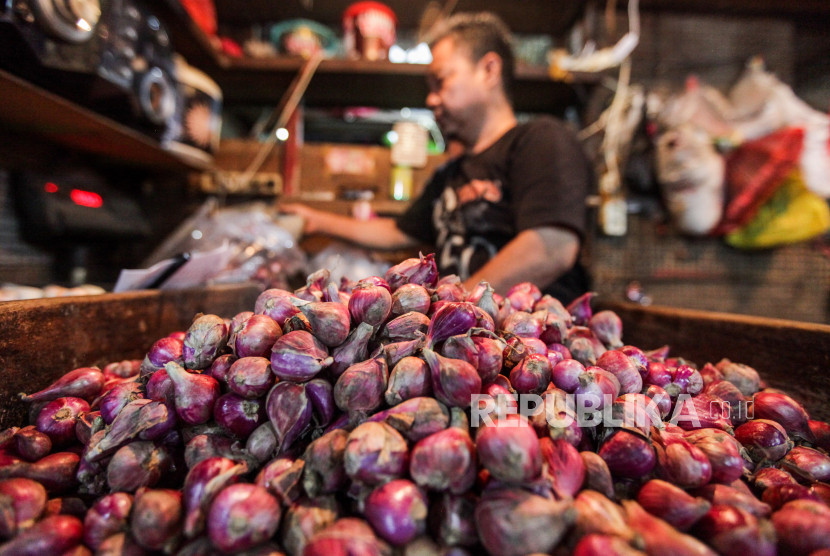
378 233
539 255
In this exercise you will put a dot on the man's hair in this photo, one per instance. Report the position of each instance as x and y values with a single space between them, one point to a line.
481 32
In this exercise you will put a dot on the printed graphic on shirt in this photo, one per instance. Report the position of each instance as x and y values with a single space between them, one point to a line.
463 219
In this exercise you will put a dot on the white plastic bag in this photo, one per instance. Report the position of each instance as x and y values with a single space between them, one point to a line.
762 104
691 176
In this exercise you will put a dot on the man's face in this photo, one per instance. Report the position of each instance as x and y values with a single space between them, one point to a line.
457 93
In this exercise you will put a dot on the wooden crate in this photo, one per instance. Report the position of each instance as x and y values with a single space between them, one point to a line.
792 356
42 339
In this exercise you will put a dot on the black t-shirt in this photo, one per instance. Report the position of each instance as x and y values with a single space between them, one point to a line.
535 175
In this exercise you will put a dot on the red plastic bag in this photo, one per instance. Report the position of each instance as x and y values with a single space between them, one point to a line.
755 170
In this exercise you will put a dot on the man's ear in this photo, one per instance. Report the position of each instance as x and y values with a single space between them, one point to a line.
491 64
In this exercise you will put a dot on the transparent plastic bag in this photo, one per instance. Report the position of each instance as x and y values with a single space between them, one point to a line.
691 176
264 245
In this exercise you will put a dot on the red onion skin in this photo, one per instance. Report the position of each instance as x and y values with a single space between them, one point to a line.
658 375
202 483
672 504
242 516
764 440
523 296
361 387
203 341
282 477
802 527
450 319
731 530
743 376
607 326
124 369
620 365
159 387
22 502
375 453
237 415
31 444
120 544
195 394
54 534
321 394
523 325
324 472
681 462
729 393
660 537
563 466
250 377
155 520
767 477
784 410
451 520
597 475
415 418
57 419
821 433
535 525
445 460
532 375
409 378
410 297
84 382
330 321
778 495
422 271
353 350
115 399
264 304
220 368
397 511
628 455
346 536
107 516
509 449
138 464
731 496
255 336
304 518
580 309
807 464
722 451
596 544
165 350
565 374
298 356
701 412
370 303
289 410
261 444
454 382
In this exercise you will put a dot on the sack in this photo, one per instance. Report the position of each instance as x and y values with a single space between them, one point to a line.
792 214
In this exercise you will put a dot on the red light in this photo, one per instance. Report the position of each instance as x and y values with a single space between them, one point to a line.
50 187
86 198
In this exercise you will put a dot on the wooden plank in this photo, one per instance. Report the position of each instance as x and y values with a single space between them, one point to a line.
790 355
29 109
44 338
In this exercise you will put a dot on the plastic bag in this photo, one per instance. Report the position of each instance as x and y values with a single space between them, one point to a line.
691 176
792 214
754 171
264 246
762 104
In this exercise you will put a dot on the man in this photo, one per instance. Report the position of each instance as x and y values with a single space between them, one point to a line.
511 207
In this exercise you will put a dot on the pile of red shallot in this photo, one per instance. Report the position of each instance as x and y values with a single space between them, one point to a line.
406 415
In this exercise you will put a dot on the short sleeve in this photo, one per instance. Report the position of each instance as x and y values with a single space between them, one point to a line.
550 177
416 221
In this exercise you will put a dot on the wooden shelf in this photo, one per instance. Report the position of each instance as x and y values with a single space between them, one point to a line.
28 110
381 84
